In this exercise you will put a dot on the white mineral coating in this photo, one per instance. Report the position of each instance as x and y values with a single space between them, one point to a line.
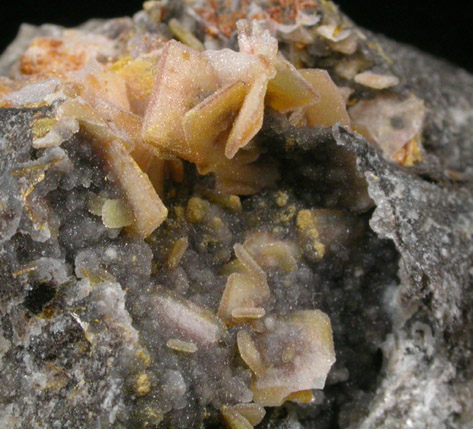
110 303
52 271
33 93
174 388
60 132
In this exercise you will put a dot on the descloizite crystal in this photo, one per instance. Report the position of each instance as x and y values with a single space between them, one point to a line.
233 213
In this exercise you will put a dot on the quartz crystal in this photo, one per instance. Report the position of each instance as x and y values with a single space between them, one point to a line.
233 214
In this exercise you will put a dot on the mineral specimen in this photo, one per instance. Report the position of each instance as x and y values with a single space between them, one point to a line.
233 213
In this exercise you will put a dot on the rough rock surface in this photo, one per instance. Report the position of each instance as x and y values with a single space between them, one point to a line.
81 340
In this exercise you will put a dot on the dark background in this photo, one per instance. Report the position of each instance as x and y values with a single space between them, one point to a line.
439 27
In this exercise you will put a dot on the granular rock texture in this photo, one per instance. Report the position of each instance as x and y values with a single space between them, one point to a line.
188 250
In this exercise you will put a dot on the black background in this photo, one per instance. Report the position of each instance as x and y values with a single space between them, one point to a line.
439 27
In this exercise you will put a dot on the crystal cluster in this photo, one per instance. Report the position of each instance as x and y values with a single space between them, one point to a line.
222 213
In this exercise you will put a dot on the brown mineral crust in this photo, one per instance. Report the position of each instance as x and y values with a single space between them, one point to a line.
5 86
50 55
223 15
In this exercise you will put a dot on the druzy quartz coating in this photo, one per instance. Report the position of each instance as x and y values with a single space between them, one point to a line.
233 213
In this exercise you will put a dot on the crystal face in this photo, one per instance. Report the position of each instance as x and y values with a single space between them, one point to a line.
233 213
